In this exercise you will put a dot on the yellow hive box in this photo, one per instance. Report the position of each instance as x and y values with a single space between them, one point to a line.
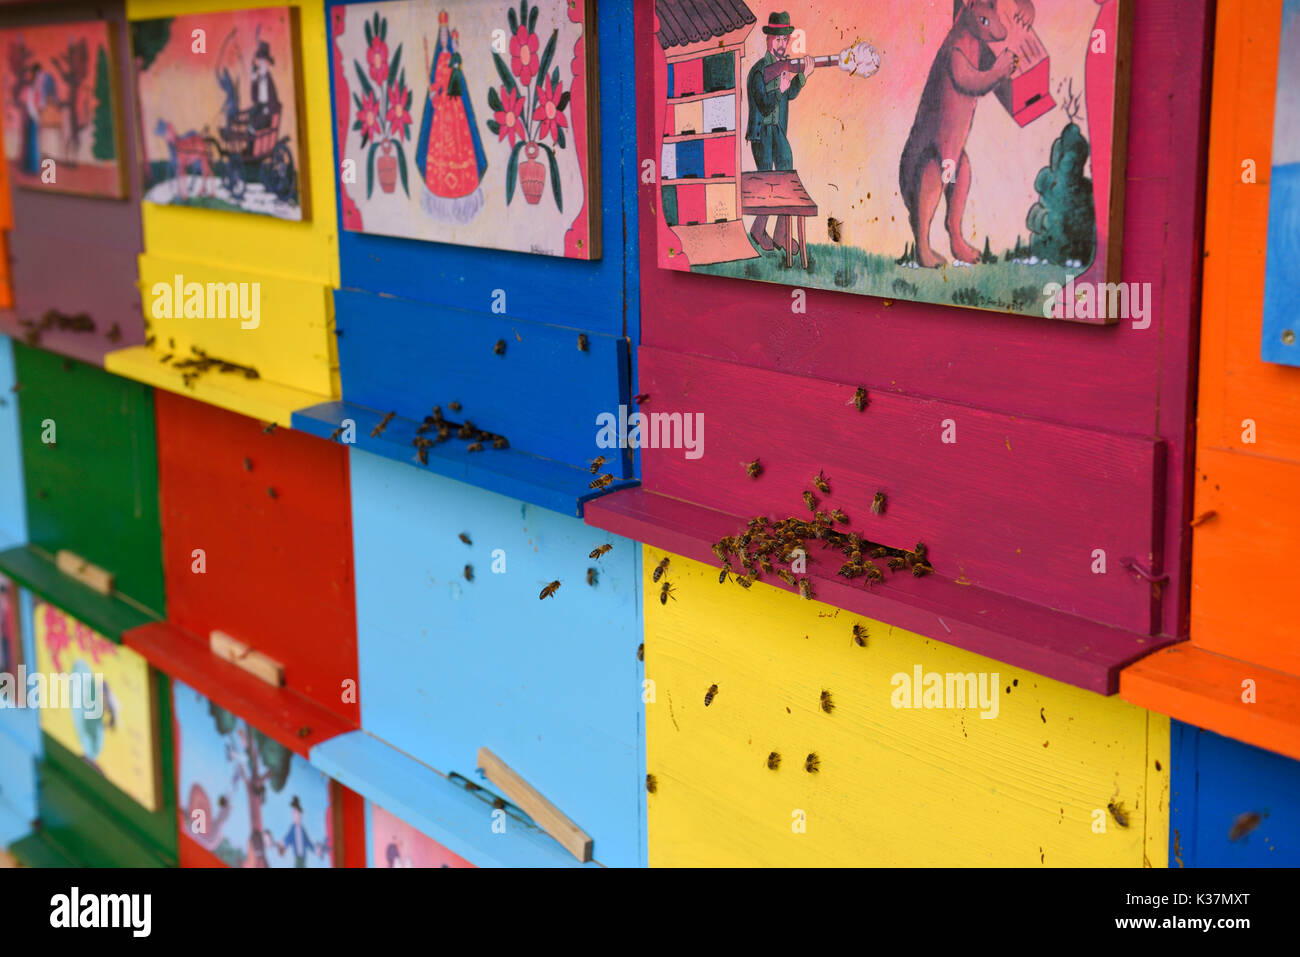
894 785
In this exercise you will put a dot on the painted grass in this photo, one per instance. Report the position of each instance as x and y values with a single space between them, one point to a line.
1004 286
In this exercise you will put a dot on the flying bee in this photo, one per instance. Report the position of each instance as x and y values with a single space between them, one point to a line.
596 463
474 447
811 764
659 570
651 785
1118 813
833 229
878 504
500 442
859 400
469 573
823 486
550 590
860 635
665 593
839 516
710 695
600 550
602 481
454 406
753 469
591 577
464 537
642 398
805 589
826 703
773 761
500 348
1244 824
383 424
810 500
582 342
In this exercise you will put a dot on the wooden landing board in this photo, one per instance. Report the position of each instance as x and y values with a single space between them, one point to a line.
894 786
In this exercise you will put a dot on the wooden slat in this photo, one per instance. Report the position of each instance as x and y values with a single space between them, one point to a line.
551 818
254 662
92 576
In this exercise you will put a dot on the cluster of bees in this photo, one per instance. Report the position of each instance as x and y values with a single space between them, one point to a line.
200 362
443 429
765 544
53 319
600 481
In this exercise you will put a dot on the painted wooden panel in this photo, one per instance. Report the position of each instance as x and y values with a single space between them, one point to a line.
102 433
554 690
306 251
391 842
1280 341
1023 778
600 297
270 514
13 509
1231 805
102 236
20 728
1001 502
1130 379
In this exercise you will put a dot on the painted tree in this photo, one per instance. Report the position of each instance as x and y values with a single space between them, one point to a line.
73 65
105 144
148 37
1063 222
20 58
258 761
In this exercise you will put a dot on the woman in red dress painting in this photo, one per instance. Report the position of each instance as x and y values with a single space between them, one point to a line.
449 153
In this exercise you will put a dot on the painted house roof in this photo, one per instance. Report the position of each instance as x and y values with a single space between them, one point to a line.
689 21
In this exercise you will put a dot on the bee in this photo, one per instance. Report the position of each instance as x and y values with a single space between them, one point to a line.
805 589
499 804
550 590
651 785
839 516
785 576
469 573
722 573
304 731
920 551
474 447
710 695
500 442
744 581
1244 824
602 481
454 406
896 563
721 550
114 333
582 342
859 400
1118 813
874 574
596 463
640 652
500 348
878 504
271 492
444 434
665 593
766 565
422 453
811 764
642 398
920 570
149 341
753 469
464 537
810 500
826 703
773 761
466 431
850 570
591 577
821 518
248 464
860 635
659 570
383 424
823 486
600 550
437 414
270 427
425 426
833 226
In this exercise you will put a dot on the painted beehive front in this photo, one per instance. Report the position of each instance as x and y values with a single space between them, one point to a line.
70 149
552 689
1240 673
1020 409
238 205
788 733
507 300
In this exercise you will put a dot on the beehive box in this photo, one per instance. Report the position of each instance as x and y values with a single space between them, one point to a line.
1240 673
774 738
76 254
548 685
420 323
292 265
1044 463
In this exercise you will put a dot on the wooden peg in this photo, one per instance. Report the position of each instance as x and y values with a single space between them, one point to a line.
92 576
254 662
552 820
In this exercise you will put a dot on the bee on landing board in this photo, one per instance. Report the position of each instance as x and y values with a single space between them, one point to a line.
383 424
596 463
839 516
659 570
600 550
805 589
665 593
812 763
823 486
550 590
602 481
859 400
710 695
860 635
474 447
753 469
878 504
773 761
500 442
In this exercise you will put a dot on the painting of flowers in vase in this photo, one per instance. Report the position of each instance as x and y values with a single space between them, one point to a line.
469 122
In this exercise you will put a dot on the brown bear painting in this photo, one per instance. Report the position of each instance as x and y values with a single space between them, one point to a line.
815 144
